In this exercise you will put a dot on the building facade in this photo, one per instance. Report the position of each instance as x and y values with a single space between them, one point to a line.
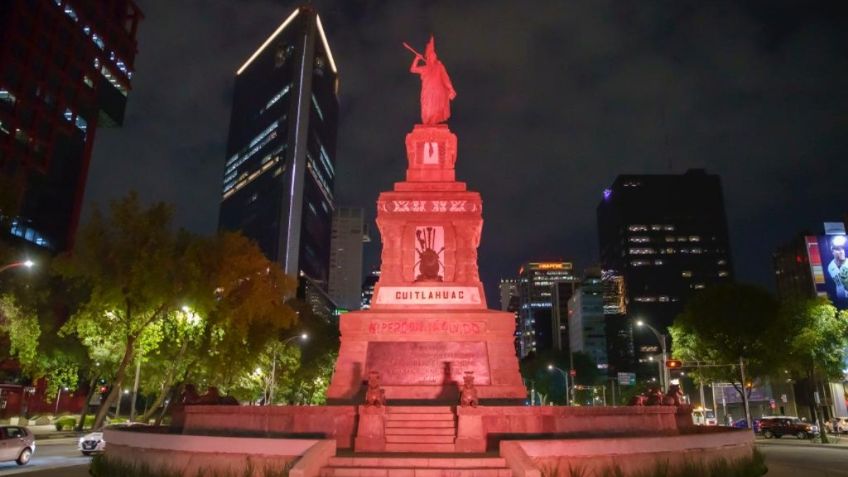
368 288
348 235
586 320
280 167
65 70
537 287
666 236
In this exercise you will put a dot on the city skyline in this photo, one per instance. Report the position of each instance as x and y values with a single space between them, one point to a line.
555 98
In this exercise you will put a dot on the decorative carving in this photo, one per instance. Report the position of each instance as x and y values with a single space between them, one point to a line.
374 395
468 393
429 265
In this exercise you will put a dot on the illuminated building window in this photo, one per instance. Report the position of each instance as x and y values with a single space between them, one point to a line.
274 99
641 251
656 227
7 97
722 262
696 250
639 239
663 298
637 228
317 108
694 238
686 274
723 273
670 251
646 299
698 286
658 262
668 228
669 238
639 263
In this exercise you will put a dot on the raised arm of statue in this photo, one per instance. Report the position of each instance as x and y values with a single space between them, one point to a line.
416 67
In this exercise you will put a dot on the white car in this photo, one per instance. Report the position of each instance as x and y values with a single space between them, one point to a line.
704 417
837 425
91 443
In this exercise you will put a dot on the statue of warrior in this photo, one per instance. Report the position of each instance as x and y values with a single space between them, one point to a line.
436 88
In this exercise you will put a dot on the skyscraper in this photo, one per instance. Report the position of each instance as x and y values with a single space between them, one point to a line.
280 167
536 288
65 70
667 236
586 324
348 234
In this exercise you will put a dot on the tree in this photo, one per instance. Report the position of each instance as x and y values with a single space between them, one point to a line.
816 341
135 270
726 324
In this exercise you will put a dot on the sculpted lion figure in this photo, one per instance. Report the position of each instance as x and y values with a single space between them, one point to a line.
468 393
374 394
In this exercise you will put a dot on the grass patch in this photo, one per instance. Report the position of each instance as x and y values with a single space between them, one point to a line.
751 467
103 467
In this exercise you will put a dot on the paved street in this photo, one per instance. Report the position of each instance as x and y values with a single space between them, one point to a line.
51 455
794 458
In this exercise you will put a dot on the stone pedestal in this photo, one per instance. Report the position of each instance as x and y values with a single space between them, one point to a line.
428 323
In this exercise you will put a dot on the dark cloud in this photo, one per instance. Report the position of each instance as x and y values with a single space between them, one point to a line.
555 99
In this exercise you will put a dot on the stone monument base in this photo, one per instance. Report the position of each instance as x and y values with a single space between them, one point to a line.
423 355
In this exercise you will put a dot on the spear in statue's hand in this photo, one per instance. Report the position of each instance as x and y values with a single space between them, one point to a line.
412 49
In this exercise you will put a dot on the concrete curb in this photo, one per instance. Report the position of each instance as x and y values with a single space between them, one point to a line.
808 444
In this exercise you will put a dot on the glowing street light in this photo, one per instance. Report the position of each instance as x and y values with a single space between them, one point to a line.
303 337
24 263
551 367
662 339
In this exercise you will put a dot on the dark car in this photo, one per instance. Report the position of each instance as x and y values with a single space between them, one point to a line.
17 444
743 424
779 426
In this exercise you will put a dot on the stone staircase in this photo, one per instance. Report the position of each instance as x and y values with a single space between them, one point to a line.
420 429
416 467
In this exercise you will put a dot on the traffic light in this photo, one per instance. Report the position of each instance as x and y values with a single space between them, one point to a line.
673 364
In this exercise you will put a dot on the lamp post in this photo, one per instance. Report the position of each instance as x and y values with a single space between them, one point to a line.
662 339
24 263
58 397
565 377
302 337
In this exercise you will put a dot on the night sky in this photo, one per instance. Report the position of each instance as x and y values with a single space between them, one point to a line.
555 99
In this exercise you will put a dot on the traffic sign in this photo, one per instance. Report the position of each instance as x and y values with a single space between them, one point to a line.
626 379
572 373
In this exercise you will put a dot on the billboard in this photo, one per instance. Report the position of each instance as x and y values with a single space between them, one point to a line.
829 267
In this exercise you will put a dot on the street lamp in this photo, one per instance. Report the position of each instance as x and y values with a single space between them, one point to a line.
24 263
662 339
302 337
565 377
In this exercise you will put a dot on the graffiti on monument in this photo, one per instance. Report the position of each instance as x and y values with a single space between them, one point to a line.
425 327
428 363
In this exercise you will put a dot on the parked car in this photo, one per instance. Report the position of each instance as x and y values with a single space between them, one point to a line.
837 425
779 426
17 444
704 417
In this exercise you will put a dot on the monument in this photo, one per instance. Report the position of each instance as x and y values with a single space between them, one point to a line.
428 328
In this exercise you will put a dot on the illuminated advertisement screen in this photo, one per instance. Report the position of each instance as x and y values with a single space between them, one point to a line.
829 267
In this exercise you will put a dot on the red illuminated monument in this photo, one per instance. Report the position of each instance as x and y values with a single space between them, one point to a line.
428 325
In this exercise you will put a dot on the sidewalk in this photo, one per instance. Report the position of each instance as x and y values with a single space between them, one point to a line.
793 442
48 431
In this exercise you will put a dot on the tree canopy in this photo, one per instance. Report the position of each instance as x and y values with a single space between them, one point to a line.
725 323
